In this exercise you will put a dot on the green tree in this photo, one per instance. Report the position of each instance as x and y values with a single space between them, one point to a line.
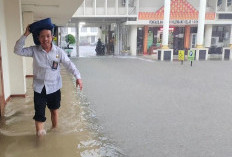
70 39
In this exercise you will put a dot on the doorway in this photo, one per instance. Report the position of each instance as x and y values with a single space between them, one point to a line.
140 31
178 39
193 40
2 99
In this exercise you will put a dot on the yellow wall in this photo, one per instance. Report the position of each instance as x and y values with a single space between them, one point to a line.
13 18
5 63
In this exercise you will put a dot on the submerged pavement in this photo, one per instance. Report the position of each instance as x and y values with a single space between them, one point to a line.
152 108
77 135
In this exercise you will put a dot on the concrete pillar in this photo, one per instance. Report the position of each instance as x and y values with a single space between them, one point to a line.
116 7
201 23
117 43
13 17
28 18
166 24
95 7
105 7
127 7
201 51
84 7
145 37
137 7
99 34
120 39
165 53
187 37
77 39
133 40
4 59
208 35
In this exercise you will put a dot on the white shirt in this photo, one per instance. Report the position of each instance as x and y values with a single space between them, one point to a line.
43 73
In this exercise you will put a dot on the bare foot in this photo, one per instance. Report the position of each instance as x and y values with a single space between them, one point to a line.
41 132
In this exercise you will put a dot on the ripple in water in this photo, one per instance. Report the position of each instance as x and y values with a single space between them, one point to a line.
101 146
78 126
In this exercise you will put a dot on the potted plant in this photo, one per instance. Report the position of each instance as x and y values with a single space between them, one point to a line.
70 39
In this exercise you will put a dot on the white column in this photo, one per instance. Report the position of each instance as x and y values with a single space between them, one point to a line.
208 35
127 7
5 56
95 7
116 46
28 18
105 7
133 40
99 34
137 7
77 39
84 7
201 24
166 24
17 73
116 7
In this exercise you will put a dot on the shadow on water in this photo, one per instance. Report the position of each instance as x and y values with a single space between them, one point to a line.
79 133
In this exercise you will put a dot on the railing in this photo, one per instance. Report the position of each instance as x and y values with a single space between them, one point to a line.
220 8
88 11
132 11
131 7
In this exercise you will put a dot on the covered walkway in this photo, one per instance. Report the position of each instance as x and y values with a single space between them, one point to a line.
77 134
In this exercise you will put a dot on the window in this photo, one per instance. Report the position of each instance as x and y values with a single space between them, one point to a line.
73 29
218 31
219 2
225 16
93 29
83 29
229 2
123 2
92 39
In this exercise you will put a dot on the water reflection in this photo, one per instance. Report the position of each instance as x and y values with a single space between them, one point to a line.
100 145
79 133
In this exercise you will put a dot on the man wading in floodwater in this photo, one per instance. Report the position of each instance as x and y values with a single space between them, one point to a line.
47 80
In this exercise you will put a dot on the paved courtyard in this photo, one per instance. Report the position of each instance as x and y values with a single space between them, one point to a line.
87 51
152 108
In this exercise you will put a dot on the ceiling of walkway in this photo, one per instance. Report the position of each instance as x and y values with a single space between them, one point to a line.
99 21
60 11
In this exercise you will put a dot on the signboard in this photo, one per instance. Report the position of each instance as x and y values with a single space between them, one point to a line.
54 38
181 55
178 22
191 55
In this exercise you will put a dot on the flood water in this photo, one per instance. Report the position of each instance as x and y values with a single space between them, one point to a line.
78 134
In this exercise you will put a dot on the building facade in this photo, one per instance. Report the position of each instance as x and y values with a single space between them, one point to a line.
15 15
136 27
147 27
183 31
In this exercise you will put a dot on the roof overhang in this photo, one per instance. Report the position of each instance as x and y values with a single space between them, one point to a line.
97 21
59 11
